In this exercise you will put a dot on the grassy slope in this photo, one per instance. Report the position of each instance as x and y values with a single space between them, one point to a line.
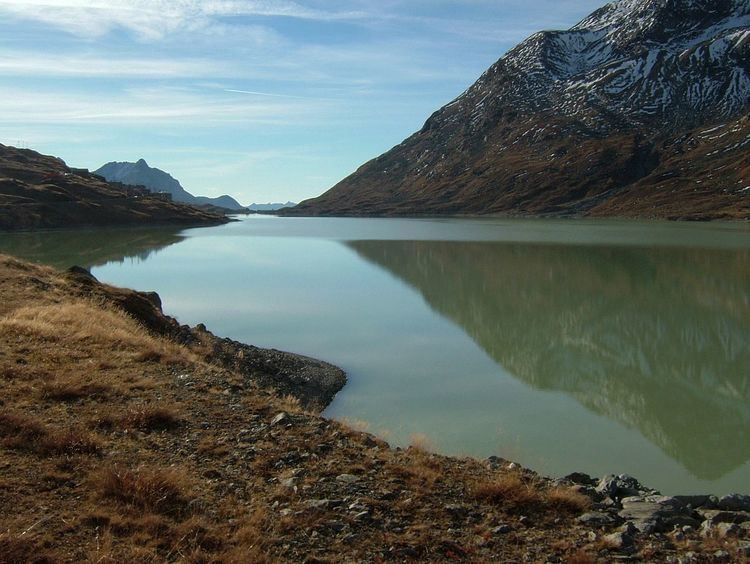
117 445
38 191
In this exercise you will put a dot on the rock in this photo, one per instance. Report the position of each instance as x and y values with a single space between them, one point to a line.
618 541
735 502
618 487
596 519
347 478
588 491
744 548
287 482
501 529
721 555
280 418
719 516
336 526
580 479
656 513
724 530
457 511
362 516
495 462
696 501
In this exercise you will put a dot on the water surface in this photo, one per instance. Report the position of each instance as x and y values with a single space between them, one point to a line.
600 346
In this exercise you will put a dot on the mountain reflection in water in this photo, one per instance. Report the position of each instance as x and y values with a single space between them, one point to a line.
656 339
89 248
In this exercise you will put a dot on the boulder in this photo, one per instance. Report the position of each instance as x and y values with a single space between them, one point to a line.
618 487
656 513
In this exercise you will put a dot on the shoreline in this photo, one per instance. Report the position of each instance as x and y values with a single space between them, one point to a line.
303 471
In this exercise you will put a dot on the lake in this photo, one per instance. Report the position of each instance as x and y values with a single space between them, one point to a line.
596 346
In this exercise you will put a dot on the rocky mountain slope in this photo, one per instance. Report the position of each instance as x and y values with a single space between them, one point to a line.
156 180
39 191
641 110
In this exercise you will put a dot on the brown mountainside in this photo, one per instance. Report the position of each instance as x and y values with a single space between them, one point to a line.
39 191
641 110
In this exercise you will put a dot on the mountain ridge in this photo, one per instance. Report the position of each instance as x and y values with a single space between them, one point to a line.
568 119
140 173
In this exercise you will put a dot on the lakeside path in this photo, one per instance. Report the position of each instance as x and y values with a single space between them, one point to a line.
126 437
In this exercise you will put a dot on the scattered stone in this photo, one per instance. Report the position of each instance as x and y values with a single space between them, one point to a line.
618 487
744 548
596 519
719 516
280 418
735 502
501 529
495 462
362 516
618 541
347 478
696 501
656 513
721 555
287 482
336 526
581 479
457 511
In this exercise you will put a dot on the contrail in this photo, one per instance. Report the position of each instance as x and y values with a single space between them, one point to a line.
266 94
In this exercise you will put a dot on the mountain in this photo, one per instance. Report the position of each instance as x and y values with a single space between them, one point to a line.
40 191
140 174
640 110
270 206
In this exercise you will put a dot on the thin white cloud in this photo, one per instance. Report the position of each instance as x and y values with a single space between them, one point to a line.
33 63
149 106
155 19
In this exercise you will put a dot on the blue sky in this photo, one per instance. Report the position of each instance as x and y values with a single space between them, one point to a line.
267 100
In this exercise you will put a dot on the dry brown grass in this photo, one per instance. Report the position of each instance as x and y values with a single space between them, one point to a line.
83 322
208 447
567 500
152 490
512 491
24 433
74 389
150 418
22 549
139 418
518 492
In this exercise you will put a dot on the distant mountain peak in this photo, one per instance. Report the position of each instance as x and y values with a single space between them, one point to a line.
156 180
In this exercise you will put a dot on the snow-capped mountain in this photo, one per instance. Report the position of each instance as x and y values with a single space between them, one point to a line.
568 120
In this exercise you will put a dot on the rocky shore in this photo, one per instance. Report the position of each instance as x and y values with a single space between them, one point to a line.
125 436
